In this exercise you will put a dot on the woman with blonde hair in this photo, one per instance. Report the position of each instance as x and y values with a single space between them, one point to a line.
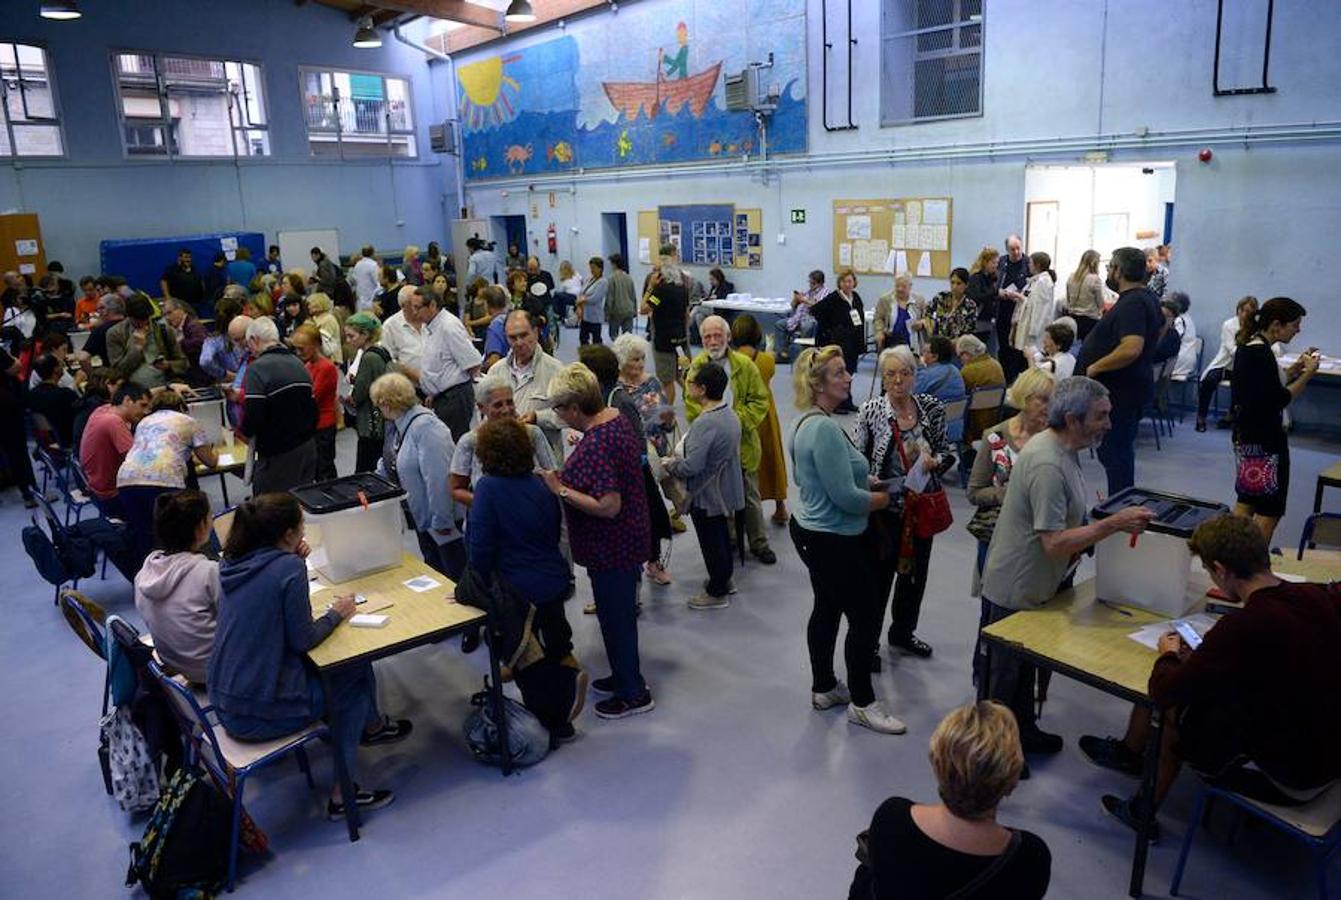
1085 294
984 289
956 848
322 315
412 265
566 291
829 527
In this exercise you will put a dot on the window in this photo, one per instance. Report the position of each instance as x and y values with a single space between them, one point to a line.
356 115
930 60
31 125
184 106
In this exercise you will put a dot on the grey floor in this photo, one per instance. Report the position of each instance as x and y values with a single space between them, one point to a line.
733 787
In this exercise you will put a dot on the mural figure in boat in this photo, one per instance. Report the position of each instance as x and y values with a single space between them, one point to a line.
634 90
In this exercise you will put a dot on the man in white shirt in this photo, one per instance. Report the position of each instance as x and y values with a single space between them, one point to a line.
449 364
403 336
529 370
366 271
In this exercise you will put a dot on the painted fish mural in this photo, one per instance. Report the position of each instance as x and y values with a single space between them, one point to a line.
562 152
624 146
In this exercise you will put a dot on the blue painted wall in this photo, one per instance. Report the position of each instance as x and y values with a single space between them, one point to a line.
96 193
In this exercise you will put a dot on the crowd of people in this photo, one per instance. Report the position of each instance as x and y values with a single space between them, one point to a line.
517 469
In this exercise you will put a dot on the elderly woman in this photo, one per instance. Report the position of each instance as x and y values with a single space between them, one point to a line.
415 455
955 848
601 487
659 422
514 535
840 320
191 337
896 432
748 338
897 313
1038 308
370 362
977 370
829 528
493 397
951 313
328 326
412 265
1001 444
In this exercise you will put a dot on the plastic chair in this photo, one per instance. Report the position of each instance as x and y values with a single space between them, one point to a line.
86 619
77 494
1320 528
230 761
993 398
1316 824
1192 378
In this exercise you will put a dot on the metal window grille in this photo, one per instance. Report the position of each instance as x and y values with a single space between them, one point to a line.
931 60
352 115
31 123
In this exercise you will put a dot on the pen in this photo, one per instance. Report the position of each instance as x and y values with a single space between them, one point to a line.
1114 608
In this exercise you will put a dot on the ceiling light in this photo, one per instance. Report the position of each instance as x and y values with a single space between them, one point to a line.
519 11
367 38
60 10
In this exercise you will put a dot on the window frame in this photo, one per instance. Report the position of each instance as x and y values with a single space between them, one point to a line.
954 27
332 70
58 119
171 143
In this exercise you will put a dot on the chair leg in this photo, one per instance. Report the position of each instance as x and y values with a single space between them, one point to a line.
301 753
234 838
1191 832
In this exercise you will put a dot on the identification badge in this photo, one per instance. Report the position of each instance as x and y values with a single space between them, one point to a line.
856 316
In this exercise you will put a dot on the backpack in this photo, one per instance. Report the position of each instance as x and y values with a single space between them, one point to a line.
131 765
44 555
184 850
528 740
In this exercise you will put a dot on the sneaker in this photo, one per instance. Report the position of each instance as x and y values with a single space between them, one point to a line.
875 717
604 685
621 708
657 575
389 731
1112 753
765 555
1127 812
835 696
677 523
1032 740
708 601
365 800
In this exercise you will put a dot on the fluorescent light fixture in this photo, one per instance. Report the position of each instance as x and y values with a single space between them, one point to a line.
367 38
519 11
61 10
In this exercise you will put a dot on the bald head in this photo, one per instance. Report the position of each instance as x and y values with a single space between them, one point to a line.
405 296
237 329
1014 247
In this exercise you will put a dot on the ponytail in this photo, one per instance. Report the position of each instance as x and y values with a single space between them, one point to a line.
1277 309
261 522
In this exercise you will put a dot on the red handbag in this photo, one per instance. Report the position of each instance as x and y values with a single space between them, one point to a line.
929 510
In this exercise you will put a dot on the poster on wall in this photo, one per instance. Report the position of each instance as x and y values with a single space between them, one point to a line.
640 88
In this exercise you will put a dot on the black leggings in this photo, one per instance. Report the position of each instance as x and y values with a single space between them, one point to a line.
589 333
844 586
909 587
1210 383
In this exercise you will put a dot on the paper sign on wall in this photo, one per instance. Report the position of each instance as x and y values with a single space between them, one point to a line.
858 228
25 248
228 243
644 250
845 254
27 269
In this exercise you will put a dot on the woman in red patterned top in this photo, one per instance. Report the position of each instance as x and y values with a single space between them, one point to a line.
601 489
306 341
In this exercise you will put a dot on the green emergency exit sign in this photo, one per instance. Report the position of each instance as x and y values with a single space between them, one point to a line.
798 217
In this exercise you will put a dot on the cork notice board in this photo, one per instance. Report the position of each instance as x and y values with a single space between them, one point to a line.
910 234
736 239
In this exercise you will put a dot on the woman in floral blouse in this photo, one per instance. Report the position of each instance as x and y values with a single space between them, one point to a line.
951 313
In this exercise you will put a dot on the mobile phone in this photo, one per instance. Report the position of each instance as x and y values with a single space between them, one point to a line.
1188 634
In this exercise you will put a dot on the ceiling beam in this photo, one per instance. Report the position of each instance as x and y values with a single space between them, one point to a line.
452 10
547 11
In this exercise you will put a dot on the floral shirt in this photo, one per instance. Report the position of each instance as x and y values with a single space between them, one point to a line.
801 317
651 402
161 450
608 460
952 323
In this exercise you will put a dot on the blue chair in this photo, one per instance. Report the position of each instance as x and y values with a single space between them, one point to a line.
1320 528
77 495
231 762
1316 824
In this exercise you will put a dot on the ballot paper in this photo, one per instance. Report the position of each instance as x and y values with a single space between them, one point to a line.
1149 635
422 583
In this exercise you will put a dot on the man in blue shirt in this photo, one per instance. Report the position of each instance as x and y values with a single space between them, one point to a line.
241 270
495 338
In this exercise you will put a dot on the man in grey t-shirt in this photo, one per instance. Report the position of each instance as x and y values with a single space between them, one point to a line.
1040 535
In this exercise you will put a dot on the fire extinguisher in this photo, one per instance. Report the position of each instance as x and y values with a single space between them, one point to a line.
552 236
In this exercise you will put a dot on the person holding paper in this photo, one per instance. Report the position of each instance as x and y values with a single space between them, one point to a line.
896 315
840 319
902 436
1036 310
1256 707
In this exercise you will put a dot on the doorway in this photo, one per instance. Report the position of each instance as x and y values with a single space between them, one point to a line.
615 235
1071 209
509 230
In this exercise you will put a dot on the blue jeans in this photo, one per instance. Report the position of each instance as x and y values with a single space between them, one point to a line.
353 699
1117 453
615 593
784 338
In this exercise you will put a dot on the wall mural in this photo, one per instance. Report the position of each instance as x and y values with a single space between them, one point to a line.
641 87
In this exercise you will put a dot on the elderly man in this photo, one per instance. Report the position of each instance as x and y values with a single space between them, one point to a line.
450 363
279 413
1012 273
403 336
497 305
529 369
801 322
747 394
1118 352
493 396
894 314
144 351
1039 537
979 370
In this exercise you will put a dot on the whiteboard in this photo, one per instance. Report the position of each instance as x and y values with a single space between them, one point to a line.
295 247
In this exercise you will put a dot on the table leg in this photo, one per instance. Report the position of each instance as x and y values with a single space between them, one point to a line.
1317 497
496 698
1146 795
341 765
223 483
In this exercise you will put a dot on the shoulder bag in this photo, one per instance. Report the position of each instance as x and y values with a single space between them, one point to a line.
929 510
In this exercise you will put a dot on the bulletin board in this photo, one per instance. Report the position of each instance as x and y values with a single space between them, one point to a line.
715 234
909 234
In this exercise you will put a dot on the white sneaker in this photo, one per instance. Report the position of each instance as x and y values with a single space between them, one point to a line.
875 717
708 601
829 699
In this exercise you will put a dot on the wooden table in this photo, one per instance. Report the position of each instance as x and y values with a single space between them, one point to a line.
415 619
1075 635
1329 477
232 459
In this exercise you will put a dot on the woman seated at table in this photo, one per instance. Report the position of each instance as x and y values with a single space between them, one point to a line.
416 455
167 443
514 534
955 848
258 683
177 589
